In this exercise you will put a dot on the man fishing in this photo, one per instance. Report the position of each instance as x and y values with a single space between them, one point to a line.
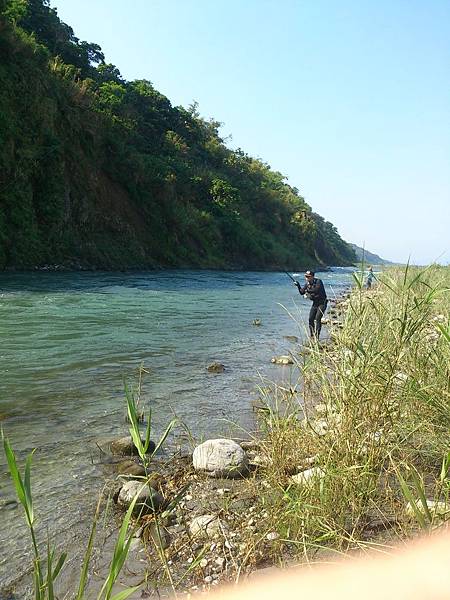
315 291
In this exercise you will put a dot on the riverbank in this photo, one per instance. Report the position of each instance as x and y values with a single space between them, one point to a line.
352 456
352 459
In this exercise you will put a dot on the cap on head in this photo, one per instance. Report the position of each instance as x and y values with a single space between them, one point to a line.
309 274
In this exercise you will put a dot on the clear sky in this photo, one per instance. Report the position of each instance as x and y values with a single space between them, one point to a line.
348 98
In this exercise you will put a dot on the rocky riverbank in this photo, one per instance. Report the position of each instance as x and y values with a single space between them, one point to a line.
201 520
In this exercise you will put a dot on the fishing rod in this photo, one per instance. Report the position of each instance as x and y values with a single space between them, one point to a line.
290 276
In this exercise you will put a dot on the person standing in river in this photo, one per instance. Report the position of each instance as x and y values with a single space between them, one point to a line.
370 277
315 291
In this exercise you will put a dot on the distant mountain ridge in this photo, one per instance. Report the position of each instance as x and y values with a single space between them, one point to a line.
369 257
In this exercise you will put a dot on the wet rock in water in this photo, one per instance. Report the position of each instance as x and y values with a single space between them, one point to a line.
308 477
8 504
291 338
131 468
149 500
257 322
125 447
140 417
216 367
207 526
282 360
220 458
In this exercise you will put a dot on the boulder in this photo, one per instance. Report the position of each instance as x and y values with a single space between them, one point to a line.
207 526
282 360
220 458
216 367
149 500
125 447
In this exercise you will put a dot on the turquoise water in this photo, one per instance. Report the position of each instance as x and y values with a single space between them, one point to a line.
69 339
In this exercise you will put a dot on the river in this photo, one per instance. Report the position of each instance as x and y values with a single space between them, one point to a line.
68 341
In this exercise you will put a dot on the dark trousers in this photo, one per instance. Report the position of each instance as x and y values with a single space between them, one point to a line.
315 318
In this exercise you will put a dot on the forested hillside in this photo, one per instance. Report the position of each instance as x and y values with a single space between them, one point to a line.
96 171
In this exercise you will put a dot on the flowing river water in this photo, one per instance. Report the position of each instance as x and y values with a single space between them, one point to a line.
68 340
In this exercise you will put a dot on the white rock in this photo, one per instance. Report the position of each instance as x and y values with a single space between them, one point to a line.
203 563
308 476
220 458
220 561
436 508
207 526
208 579
273 535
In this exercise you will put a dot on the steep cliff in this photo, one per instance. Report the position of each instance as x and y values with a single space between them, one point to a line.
99 172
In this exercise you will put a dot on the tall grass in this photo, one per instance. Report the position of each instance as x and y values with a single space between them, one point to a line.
373 417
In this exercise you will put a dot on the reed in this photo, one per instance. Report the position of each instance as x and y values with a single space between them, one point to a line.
371 417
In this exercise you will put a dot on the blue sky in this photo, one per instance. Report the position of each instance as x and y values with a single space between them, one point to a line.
350 99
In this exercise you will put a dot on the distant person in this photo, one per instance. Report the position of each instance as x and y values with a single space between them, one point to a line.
315 291
370 277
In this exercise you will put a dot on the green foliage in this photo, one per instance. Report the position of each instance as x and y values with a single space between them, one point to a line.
100 171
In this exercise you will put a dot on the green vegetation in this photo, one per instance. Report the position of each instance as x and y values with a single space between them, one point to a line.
99 171
45 569
372 423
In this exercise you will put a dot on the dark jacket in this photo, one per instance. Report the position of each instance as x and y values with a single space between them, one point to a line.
315 290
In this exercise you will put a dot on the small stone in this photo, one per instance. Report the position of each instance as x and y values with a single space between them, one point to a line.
149 499
220 561
291 338
273 535
208 579
437 508
228 545
203 563
125 446
130 468
260 460
308 476
282 360
160 536
216 367
223 491
207 526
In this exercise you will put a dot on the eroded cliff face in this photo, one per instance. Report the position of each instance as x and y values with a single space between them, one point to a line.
103 173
